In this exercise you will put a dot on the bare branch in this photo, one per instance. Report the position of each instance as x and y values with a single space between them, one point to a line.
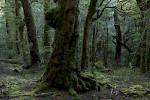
114 42
101 13
123 44
101 3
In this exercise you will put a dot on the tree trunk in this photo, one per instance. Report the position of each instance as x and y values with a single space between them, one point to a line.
118 36
62 71
91 12
10 45
17 11
106 46
46 26
20 30
62 62
31 29
94 44
141 54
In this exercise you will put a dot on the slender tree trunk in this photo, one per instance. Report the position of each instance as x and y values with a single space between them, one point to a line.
46 26
94 44
17 11
141 54
91 12
106 51
118 36
8 27
31 29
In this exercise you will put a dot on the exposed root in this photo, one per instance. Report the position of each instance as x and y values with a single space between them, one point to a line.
77 84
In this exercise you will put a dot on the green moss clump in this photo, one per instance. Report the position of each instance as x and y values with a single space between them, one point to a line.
72 92
134 89
100 66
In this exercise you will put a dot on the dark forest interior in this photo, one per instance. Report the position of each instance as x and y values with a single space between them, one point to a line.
74 50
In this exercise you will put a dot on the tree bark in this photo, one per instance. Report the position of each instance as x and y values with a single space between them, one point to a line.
118 36
10 44
20 24
31 29
46 26
94 44
62 70
17 11
140 57
62 62
91 12
106 47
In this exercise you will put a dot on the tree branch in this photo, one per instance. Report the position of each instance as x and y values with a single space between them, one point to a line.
101 3
101 13
123 44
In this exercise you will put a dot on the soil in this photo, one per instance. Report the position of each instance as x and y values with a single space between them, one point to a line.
19 84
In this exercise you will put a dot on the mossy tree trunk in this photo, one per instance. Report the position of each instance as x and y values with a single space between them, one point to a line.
31 29
88 21
61 64
62 71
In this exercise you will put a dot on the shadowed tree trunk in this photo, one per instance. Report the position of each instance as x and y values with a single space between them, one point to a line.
46 26
62 70
61 64
17 11
91 12
31 29
94 44
118 36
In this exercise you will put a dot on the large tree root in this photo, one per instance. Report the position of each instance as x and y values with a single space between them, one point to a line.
77 84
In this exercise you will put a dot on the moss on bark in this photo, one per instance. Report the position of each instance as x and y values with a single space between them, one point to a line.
62 69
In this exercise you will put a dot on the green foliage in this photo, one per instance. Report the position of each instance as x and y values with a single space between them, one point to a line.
85 3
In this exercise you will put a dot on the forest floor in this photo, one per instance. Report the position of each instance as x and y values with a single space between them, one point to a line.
126 84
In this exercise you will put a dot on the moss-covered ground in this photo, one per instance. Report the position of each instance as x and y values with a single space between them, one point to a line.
126 84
